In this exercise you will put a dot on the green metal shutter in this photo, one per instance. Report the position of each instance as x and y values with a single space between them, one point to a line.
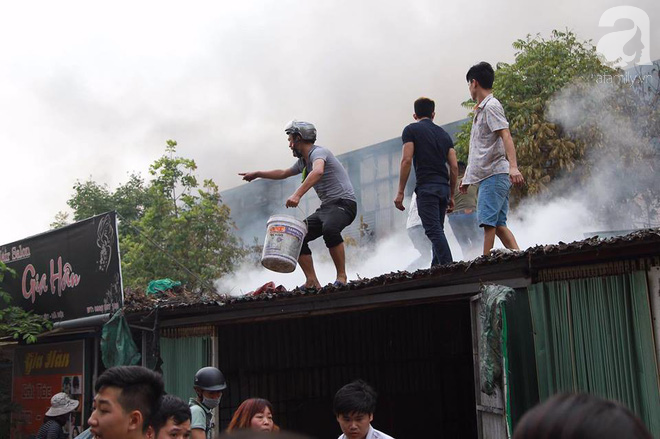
182 358
595 335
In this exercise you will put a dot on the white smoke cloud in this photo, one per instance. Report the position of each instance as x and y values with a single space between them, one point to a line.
93 89
563 218
391 254
622 165
568 211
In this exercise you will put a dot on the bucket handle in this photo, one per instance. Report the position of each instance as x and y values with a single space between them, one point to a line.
304 220
304 215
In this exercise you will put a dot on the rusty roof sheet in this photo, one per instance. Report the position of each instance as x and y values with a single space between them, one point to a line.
138 301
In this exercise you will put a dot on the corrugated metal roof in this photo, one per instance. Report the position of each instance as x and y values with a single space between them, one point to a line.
137 301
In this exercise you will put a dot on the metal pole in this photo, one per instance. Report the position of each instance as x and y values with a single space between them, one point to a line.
95 373
144 349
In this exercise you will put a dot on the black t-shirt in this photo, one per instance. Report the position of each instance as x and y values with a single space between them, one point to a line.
432 145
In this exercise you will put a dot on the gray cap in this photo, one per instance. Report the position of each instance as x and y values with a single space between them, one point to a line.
306 130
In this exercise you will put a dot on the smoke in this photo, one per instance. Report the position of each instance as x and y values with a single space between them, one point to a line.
222 78
393 253
536 221
618 179
615 187
562 218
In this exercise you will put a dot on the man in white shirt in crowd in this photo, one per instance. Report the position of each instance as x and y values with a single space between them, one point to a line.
354 406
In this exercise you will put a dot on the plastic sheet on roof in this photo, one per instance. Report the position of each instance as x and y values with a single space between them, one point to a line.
490 339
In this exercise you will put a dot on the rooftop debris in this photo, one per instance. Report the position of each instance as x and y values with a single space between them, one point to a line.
138 301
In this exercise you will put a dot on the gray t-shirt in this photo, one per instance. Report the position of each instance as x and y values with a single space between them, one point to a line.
199 415
334 183
487 156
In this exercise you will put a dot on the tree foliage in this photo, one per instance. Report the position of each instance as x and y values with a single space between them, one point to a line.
171 226
15 322
91 198
61 219
543 68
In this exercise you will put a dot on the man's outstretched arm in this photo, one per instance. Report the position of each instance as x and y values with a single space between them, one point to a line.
275 174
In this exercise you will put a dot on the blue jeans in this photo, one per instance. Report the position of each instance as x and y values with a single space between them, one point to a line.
493 200
432 201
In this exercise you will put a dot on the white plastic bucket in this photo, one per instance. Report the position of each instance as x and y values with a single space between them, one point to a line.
284 238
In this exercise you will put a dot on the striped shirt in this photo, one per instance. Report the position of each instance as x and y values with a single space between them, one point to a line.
50 429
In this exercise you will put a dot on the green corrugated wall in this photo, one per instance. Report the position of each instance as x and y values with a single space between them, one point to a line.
521 363
595 335
182 358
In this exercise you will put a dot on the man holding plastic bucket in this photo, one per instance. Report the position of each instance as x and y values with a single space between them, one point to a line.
321 170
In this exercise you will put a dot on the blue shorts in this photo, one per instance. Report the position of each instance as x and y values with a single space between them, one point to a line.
493 200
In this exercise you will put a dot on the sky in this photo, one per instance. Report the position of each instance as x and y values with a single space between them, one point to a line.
94 89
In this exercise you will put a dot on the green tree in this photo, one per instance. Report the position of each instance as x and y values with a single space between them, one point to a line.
169 227
15 322
542 67
61 220
463 134
91 198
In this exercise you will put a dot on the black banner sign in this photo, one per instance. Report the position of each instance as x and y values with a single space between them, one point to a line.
68 273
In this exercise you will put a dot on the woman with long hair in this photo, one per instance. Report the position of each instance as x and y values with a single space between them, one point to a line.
253 414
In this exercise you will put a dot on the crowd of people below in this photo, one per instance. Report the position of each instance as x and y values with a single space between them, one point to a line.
130 403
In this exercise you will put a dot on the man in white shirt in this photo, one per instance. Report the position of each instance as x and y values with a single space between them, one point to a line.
418 237
354 407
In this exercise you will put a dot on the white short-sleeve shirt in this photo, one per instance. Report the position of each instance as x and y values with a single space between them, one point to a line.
372 434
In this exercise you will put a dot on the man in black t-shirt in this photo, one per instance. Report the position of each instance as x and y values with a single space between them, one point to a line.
431 150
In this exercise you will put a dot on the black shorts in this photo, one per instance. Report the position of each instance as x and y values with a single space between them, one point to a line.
328 221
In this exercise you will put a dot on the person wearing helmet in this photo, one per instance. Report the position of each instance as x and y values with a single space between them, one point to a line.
321 170
209 384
